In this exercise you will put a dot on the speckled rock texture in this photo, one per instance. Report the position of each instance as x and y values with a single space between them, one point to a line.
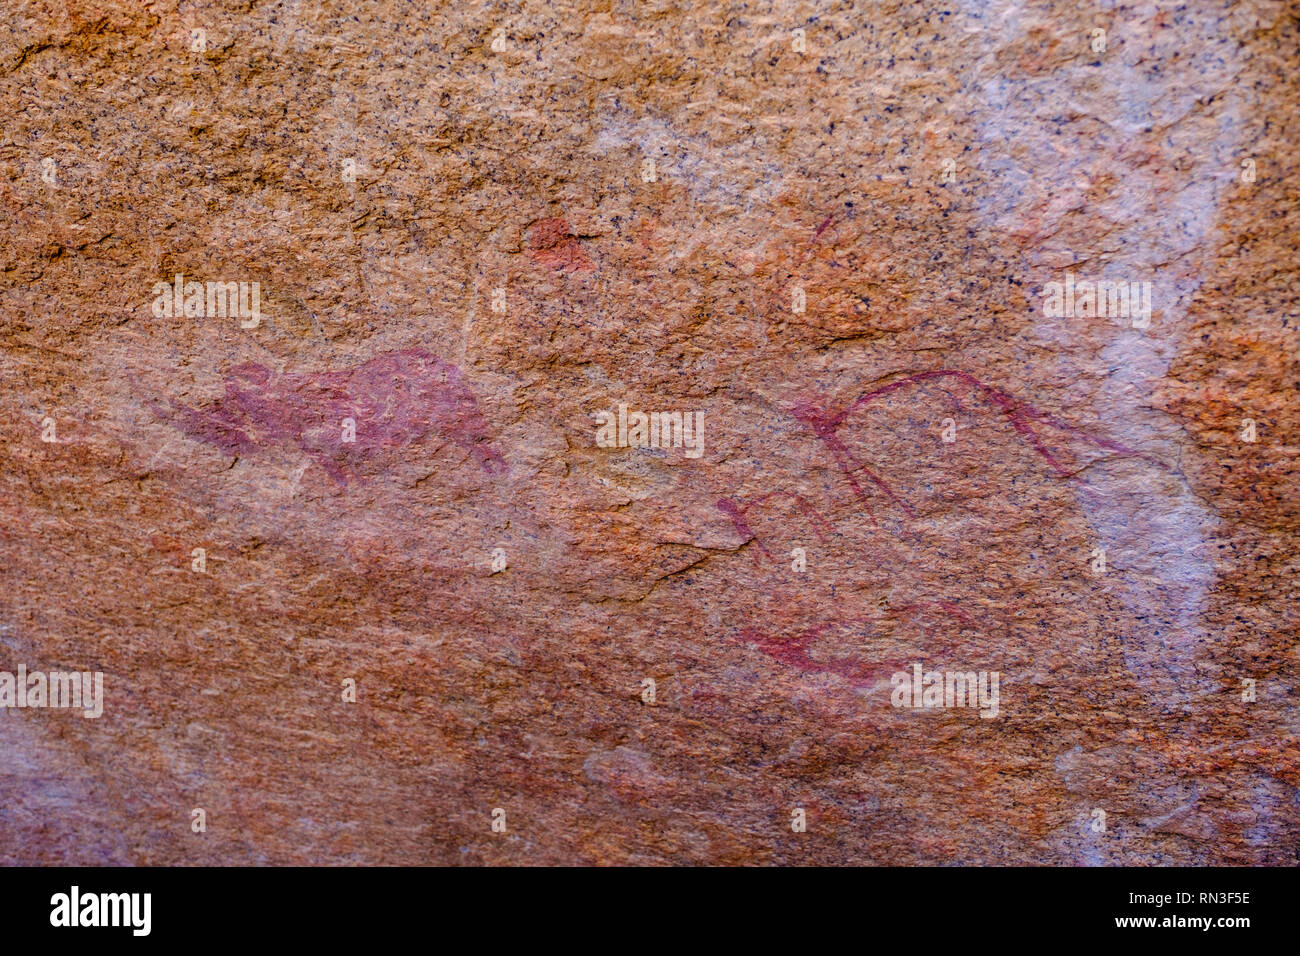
371 579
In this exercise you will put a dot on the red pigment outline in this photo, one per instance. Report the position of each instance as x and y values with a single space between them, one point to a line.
824 426
793 651
736 512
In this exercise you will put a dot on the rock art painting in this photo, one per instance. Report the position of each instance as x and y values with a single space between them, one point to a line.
649 434
389 402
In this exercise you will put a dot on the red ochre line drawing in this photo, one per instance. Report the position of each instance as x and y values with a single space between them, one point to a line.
737 512
795 651
1020 413
808 249
395 399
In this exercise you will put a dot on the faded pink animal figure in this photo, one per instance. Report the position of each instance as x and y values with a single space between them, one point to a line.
395 400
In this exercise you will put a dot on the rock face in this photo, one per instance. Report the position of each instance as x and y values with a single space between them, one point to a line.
906 540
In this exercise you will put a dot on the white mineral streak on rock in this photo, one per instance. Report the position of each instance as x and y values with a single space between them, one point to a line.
1172 135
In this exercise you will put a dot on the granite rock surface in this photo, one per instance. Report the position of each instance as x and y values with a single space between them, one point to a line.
371 579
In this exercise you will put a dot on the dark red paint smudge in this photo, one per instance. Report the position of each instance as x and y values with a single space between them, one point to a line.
822 228
552 243
396 400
